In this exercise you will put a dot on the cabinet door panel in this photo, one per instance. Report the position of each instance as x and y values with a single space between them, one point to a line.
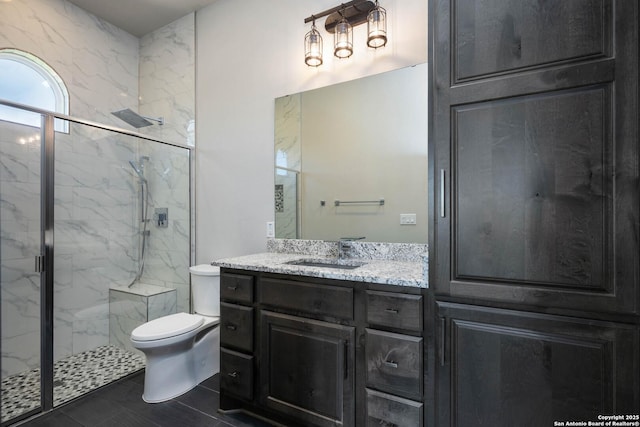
514 368
307 369
533 198
536 161
493 36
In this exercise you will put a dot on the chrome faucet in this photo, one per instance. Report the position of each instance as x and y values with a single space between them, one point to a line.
344 246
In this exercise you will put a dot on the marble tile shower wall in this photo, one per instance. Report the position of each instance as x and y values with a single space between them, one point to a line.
97 61
167 80
95 233
96 195
20 236
168 256
287 146
167 89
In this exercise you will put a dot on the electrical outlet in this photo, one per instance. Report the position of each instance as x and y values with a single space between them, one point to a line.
407 219
271 229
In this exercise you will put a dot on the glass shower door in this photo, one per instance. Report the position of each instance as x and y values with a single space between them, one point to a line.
20 283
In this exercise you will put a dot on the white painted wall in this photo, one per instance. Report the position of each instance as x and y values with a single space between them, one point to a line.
249 53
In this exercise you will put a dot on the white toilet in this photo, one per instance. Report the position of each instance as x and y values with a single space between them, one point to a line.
182 349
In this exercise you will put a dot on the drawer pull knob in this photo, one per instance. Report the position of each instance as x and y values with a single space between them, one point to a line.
231 326
232 287
233 374
392 310
390 364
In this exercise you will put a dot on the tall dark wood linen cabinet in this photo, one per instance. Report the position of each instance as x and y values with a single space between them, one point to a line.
534 260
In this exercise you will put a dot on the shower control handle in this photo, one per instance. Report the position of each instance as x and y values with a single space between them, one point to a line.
161 217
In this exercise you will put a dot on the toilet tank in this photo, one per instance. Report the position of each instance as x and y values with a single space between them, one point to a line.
205 289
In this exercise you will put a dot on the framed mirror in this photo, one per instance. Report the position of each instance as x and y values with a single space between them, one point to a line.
351 160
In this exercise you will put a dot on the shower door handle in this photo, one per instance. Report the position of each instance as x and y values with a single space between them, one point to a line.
443 189
39 264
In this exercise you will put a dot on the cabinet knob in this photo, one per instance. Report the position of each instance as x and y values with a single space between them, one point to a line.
231 326
233 374
232 287
392 310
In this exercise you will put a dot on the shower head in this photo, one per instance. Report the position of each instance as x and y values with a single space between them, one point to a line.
138 168
135 119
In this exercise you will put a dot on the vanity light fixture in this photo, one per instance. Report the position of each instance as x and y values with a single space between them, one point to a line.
340 21
343 39
313 46
377 27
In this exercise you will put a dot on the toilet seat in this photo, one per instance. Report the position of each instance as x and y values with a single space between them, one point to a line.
167 326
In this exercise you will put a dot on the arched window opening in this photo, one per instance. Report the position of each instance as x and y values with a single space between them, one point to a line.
26 79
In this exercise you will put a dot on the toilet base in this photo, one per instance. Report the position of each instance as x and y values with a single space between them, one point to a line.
174 370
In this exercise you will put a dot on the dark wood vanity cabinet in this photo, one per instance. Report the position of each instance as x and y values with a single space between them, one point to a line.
534 252
394 359
500 367
237 361
308 369
323 352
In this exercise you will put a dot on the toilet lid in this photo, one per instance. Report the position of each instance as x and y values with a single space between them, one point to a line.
167 326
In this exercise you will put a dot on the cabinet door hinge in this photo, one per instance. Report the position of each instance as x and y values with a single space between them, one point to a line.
39 263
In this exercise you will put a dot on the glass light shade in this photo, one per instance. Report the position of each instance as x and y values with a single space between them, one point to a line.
313 48
377 27
343 39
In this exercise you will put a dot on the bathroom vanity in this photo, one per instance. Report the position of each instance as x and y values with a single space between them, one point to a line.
323 346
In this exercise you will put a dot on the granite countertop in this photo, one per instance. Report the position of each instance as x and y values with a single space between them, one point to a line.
385 271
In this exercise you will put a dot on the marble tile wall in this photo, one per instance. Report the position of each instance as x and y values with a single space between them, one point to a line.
287 147
95 232
96 194
20 240
167 89
167 80
97 61
167 258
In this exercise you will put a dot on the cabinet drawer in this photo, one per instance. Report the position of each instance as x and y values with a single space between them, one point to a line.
236 373
394 363
400 311
236 326
385 409
326 300
236 287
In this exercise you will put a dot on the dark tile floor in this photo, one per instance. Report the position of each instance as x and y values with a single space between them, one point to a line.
120 405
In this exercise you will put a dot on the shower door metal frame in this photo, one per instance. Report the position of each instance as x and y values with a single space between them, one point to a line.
47 181
46 257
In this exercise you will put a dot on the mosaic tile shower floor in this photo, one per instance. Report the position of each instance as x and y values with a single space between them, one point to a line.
72 377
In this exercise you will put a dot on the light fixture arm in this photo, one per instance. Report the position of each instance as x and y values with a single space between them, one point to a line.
328 12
